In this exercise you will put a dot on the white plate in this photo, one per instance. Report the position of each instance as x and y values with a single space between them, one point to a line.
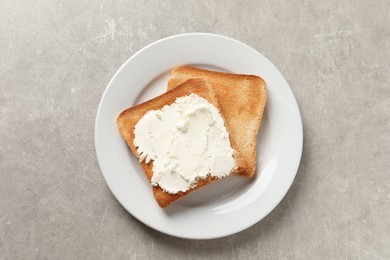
232 204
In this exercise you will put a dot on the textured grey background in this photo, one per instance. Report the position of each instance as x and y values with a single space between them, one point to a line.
57 58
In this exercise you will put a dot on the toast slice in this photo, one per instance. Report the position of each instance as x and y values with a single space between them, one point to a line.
242 100
128 119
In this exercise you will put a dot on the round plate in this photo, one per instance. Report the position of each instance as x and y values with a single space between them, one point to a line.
231 204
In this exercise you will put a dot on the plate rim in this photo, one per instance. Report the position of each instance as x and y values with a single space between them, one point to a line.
282 193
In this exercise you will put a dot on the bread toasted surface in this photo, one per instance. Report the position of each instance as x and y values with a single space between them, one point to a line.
128 119
242 100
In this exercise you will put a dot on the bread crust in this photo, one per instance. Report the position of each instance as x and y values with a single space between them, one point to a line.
127 120
242 100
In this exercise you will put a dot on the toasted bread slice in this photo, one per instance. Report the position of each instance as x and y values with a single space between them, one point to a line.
242 100
128 119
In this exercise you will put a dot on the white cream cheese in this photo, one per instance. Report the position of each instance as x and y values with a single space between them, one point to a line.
186 140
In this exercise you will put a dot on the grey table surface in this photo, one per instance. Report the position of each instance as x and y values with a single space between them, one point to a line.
57 58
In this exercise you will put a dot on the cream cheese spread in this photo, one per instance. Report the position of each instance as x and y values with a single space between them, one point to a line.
187 141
